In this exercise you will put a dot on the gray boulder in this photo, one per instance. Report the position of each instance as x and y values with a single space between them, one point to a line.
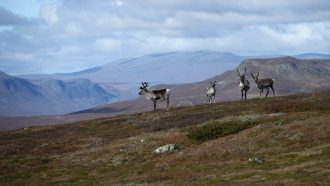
168 147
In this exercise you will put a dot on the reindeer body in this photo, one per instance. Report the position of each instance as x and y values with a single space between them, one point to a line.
155 95
264 84
210 93
244 84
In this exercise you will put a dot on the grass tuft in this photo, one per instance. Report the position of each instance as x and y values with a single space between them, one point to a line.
216 129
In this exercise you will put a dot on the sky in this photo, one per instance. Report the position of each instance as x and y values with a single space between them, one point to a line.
48 36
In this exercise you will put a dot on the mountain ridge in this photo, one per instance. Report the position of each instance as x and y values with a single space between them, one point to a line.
193 66
48 96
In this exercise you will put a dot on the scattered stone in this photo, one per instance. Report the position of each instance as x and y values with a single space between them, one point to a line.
168 147
279 123
256 160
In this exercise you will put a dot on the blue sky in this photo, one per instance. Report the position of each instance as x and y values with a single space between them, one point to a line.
47 36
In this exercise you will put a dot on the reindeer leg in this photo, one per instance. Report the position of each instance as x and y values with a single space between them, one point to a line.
267 91
245 94
168 103
242 94
261 92
273 90
155 105
214 99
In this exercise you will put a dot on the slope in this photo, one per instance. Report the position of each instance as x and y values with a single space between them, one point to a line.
289 134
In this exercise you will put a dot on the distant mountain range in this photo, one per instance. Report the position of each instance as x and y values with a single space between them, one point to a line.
292 76
174 68
169 68
19 96
312 56
69 92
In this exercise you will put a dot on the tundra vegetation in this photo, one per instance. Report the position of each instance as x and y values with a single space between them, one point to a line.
289 135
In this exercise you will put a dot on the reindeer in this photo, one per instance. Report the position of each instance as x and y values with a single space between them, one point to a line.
244 84
264 83
155 95
210 94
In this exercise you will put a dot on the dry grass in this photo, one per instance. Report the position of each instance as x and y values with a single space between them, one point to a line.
290 133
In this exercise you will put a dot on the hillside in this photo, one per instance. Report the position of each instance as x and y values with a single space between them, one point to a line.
21 97
292 76
288 137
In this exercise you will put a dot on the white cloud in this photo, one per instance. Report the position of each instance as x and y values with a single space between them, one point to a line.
107 44
119 3
48 12
74 33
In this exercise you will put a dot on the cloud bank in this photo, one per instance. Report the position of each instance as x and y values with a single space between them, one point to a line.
72 35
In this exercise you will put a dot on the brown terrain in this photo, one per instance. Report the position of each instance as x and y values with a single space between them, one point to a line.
286 138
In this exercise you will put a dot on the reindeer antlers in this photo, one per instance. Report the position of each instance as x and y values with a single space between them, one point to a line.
254 77
144 85
213 83
239 74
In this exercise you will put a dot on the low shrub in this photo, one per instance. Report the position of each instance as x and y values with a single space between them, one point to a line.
216 129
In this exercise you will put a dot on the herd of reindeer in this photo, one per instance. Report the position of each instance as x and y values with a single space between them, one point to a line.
244 85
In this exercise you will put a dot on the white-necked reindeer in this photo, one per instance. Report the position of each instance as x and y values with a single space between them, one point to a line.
264 83
155 95
210 93
244 84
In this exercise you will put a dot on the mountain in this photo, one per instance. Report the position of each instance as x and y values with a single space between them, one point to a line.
312 56
170 68
173 67
292 76
49 96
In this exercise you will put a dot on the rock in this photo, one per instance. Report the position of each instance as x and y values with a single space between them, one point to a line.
256 160
279 123
168 147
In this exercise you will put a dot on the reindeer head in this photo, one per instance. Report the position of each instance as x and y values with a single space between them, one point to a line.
143 88
212 84
256 78
242 77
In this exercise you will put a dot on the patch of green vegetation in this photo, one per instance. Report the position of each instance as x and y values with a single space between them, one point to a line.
216 129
